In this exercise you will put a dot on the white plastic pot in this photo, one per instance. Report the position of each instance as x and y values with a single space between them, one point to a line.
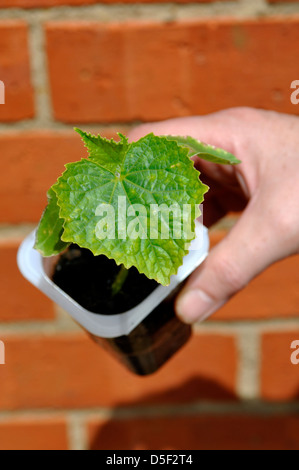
119 332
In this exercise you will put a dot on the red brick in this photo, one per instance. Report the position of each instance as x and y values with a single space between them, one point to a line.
70 371
19 300
246 63
52 3
44 433
273 294
15 71
125 75
31 163
117 72
196 433
280 378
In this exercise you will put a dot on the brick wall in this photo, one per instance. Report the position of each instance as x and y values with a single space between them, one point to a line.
107 66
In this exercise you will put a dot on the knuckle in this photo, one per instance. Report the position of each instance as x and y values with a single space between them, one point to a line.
286 222
139 131
244 113
286 225
229 274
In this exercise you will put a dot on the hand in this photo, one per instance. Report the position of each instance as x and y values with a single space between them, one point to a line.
265 186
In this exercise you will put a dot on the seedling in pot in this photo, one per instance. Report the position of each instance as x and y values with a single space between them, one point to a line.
135 203
120 223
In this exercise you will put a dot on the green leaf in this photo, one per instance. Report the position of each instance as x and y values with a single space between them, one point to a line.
204 151
151 172
48 237
144 187
107 153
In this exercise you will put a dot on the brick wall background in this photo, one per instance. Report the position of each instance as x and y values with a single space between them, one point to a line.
107 66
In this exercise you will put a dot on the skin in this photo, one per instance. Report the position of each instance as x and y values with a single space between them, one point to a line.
265 187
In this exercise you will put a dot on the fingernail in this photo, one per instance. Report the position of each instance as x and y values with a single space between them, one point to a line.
195 306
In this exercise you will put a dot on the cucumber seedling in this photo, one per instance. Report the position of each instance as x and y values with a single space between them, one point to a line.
135 203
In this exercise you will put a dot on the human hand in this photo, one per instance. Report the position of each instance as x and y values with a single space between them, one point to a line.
265 186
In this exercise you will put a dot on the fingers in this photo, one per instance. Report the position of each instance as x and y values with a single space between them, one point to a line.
231 265
212 129
178 126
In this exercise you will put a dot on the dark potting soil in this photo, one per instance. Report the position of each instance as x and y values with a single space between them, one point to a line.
88 279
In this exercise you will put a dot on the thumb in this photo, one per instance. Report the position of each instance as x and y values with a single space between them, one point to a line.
246 251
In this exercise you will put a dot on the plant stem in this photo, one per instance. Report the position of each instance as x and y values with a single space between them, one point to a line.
119 280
